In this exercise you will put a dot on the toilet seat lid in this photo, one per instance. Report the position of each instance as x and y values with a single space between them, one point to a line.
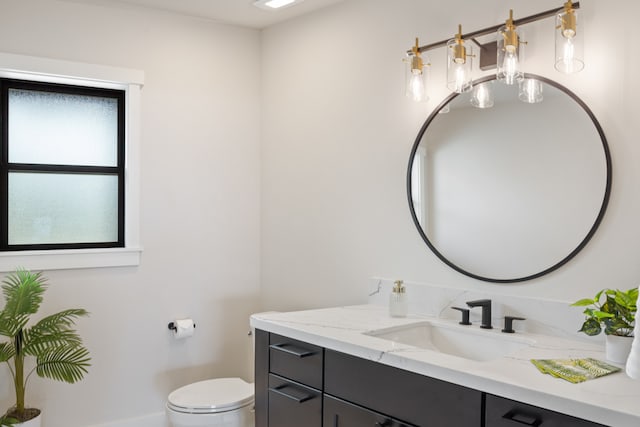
209 396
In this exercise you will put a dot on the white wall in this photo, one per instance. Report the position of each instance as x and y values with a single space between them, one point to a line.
338 132
200 208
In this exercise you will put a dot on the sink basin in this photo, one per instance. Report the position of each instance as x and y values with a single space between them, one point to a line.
469 342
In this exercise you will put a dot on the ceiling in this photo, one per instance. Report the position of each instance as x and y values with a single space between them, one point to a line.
236 12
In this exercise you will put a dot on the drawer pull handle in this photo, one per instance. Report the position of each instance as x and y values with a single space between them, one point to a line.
284 348
278 390
522 419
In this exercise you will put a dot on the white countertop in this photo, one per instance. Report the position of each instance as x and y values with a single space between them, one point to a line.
613 400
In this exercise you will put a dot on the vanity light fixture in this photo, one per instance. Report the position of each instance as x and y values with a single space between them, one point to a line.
506 52
509 53
569 46
275 4
459 61
482 95
416 75
530 91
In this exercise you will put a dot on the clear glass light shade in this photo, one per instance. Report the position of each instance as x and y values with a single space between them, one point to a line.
482 95
510 56
416 79
569 43
530 91
459 65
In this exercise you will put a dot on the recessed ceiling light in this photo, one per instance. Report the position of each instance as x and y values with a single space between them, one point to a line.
275 4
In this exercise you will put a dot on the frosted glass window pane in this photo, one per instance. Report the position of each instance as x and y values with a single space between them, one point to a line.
62 208
62 129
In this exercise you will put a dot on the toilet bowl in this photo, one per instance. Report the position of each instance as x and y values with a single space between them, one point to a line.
220 402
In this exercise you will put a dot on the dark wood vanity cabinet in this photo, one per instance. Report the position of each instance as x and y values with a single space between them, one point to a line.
292 404
503 412
303 385
289 380
338 413
412 398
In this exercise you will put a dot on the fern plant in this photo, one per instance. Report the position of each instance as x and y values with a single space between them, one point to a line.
56 347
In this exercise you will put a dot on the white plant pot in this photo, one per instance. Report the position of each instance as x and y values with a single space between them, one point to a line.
618 348
33 422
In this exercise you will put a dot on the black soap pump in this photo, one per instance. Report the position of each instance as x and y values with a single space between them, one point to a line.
398 304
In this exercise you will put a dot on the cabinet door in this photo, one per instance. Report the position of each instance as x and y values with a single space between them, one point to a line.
293 405
338 413
503 412
405 395
296 360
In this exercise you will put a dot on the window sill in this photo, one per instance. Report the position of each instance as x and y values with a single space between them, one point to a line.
70 259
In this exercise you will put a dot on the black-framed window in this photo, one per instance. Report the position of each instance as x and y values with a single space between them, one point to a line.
62 166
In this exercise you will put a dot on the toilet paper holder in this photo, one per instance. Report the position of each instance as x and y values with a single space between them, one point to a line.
172 326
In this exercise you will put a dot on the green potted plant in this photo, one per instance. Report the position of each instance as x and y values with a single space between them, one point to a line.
615 315
52 342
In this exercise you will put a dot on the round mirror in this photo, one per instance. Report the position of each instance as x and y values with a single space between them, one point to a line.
510 192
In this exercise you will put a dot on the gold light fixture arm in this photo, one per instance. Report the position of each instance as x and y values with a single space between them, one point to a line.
459 51
510 35
569 21
493 29
416 60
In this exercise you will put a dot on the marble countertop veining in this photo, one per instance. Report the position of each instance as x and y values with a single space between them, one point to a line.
613 400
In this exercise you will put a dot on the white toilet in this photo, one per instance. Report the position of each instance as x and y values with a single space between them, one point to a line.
220 402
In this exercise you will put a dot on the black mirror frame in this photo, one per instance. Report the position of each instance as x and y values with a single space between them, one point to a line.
584 241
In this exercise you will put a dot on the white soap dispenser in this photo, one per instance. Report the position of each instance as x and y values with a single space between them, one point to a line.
398 305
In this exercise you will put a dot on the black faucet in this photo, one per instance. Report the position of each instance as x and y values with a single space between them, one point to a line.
486 311
508 323
465 315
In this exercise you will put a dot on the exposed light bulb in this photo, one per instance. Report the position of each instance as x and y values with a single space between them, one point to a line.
569 51
459 63
509 50
569 33
510 67
461 78
569 41
416 86
416 75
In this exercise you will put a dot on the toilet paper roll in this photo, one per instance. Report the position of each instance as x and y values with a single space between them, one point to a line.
184 328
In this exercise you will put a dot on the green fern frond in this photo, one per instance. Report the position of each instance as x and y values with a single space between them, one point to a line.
23 291
7 351
36 344
9 326
68 364
60 321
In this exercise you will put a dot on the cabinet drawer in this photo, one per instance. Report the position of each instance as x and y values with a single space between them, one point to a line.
296 360
338 413
293 405
401 394
503 412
